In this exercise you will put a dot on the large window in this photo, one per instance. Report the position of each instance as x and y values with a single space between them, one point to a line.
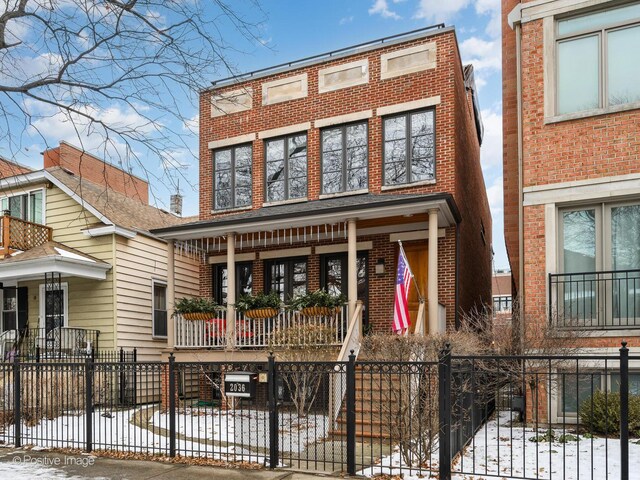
27 206
409 148
244 281
577 387
596 66
159 310
232 177
288 277
601 238
286 164
501 303
345 158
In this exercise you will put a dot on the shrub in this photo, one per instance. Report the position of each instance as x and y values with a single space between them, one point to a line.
304 343
319 298
196 305
260 300
601 414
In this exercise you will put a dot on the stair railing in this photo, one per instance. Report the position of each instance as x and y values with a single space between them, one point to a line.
352 342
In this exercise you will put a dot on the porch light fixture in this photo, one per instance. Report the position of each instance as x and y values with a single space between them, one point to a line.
380 266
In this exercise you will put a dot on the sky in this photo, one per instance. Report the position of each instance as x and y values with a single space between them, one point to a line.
287 30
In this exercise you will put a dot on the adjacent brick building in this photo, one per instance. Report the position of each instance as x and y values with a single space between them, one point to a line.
317 168
571 123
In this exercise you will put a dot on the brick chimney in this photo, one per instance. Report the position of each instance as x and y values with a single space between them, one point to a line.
96 170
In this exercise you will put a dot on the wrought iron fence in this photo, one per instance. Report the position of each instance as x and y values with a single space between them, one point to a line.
526 417
60 343
595 300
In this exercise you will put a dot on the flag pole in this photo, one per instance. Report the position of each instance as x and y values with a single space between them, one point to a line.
420 297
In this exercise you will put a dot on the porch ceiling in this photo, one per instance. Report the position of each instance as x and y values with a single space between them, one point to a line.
369 209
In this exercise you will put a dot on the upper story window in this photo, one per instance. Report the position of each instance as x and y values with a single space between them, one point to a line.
159 325
286 164
232 177
409 148
345 158
27 206
596 66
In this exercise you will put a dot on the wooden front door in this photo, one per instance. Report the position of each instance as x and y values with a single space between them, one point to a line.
417 256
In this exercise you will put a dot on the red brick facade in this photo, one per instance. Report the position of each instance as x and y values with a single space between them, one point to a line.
553 151
97 171
458 170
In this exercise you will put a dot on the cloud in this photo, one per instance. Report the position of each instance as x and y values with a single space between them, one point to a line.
381 7
484 54
438 11
491 150
345 20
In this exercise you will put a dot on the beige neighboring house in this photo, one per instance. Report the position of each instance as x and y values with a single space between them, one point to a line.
79 268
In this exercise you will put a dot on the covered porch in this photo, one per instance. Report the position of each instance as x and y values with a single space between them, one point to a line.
35 320
345 245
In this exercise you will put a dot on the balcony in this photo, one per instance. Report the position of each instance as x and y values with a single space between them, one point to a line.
606 300
20 235
254 333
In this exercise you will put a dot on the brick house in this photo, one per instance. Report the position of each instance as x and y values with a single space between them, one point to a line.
311 172
571 114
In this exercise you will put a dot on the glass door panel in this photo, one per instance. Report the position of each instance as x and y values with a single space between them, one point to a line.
625 258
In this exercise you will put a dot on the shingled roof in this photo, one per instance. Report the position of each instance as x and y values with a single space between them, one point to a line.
123 211
51 249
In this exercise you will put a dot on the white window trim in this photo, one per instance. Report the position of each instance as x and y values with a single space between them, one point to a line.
7 284
162 283
28 193
64 286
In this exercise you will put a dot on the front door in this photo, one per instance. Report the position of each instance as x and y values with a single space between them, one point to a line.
417 257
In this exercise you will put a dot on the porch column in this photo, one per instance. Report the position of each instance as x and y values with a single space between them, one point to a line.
231 290
352 266
432 280
171 293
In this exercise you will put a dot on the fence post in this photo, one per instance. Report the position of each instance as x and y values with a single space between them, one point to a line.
172 406
88 383
351 414
122 377
624 412
134 370
273 412
444 413
17 421
37 353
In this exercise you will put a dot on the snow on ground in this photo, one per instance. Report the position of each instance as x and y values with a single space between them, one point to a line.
247 427
201 432
502 449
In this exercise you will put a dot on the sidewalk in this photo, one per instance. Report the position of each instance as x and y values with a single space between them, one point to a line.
19 464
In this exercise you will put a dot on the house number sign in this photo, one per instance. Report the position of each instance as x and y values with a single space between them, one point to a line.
240 384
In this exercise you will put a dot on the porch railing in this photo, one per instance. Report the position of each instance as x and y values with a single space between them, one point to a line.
60 342
595 300
252 332
17 234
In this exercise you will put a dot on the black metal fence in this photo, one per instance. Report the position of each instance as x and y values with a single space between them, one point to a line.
595 300
525 417
61 343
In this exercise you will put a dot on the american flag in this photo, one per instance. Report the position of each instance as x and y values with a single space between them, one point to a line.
401 307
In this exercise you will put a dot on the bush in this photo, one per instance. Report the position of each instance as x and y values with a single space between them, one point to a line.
260 300
601 414
196 305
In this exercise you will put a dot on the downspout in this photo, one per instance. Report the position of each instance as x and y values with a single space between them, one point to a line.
521 297
457 269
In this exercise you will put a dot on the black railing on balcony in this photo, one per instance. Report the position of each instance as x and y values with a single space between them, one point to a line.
595 300
61 342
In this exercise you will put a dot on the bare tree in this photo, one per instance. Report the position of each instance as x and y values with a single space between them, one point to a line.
123 73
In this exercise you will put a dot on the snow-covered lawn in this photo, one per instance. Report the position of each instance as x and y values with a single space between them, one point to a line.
201 432
504 450
247 427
